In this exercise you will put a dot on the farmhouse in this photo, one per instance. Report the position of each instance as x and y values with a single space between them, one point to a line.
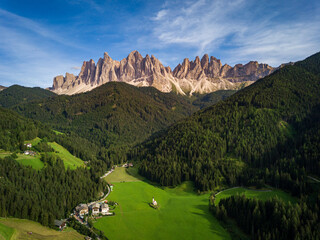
60 224
82 209
95 209
29 145
104 208
31 153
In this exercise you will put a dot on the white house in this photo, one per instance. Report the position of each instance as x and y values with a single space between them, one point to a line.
104 208
82 209
29 145
95 209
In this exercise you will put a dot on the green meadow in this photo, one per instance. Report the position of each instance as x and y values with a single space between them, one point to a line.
258 194
182 214
33 161
68 159
12 228
33 141
124 175
5 232
57 132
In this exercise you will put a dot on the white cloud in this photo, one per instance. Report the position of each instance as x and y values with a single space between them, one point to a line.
237 33
160 15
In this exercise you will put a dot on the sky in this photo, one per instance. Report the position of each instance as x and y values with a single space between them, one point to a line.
40 39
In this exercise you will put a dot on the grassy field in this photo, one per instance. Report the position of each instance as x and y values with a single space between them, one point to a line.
33 161
34 142
57 132
12 228
182 214
262 195
4 154
27 160
69 160
121 175
6 232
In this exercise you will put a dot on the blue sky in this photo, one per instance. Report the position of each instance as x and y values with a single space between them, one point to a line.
40 39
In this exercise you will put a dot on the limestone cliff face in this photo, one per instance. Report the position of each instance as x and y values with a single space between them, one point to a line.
203 76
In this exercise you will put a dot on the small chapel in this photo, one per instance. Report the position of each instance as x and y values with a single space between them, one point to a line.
154 202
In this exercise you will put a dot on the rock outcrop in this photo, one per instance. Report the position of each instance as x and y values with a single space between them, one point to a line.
2 88
201 76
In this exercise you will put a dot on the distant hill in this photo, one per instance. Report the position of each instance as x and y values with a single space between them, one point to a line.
261 126
210 99
2 88
114 114
16 94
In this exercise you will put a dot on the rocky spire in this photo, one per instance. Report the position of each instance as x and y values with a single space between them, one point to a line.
203 75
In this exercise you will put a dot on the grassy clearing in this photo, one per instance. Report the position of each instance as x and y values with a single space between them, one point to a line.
286 128
258 194
34 142
4 154
21 227
121 174
57 132
68 159
33 161
6 232
182 214
27 160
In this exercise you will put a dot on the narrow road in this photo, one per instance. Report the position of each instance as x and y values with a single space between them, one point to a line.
107 173
314 179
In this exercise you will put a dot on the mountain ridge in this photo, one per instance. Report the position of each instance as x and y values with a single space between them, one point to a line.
198 76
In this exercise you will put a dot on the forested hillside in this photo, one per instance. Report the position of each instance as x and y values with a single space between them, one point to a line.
44 195
16 94
52 192
259 135
207 100
114 114
16 129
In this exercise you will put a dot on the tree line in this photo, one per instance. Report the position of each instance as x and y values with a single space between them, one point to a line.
271 219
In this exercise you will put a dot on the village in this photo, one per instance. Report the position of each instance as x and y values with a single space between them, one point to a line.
85 213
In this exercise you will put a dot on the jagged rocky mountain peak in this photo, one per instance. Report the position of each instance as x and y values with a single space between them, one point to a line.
201 75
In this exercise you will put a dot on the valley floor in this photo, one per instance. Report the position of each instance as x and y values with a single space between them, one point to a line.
182 214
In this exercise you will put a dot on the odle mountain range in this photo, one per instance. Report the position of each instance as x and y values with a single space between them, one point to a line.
198 76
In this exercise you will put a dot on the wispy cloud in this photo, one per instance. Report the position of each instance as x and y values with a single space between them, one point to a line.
88 3
75 68
240 30
20 23
30 52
